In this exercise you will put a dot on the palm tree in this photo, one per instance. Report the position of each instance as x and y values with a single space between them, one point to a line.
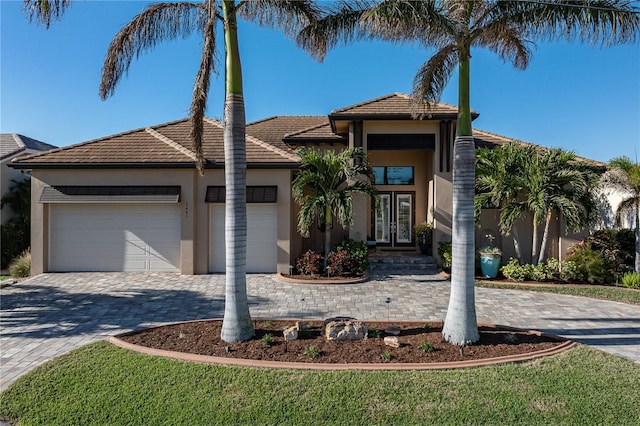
555 183
623 176
454 27
325 186
499 183
170 20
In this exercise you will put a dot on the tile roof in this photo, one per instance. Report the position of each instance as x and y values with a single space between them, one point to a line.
13 143
166 143
394 105
273 130
320 133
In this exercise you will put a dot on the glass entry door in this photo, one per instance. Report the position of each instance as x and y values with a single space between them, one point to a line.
394 220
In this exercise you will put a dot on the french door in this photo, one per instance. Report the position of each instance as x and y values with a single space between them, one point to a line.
393 221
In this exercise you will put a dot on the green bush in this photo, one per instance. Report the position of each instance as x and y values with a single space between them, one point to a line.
20 267
540 272
593 266
514 271
444 252
309 263
15 240
630 280
553 268
359 253
571 272
617 247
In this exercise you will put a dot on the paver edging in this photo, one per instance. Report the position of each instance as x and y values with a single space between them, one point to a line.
332 281
207 359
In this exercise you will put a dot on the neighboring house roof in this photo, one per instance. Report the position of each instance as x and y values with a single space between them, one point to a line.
163 145
318 133
12 144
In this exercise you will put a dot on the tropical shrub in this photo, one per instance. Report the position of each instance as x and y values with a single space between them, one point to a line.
341 263
571 272
444 252
14 241
617 248
309 263
358 251
630 280
539 272
20 267
592 265
514 271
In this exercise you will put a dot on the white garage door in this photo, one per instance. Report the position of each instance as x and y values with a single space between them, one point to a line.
114 237
262 238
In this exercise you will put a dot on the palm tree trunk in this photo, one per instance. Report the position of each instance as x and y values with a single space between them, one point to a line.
516 244
534 245
327 234
236 325
545 236
460 325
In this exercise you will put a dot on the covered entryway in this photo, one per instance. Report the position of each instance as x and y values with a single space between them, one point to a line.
114 237
262 229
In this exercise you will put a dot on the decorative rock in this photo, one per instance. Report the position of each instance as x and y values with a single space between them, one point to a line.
392 341
290 334
301 325
348 329
393 330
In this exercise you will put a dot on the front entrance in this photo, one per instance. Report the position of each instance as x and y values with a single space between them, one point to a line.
393 222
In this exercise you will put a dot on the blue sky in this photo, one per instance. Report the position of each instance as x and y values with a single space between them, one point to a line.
581 98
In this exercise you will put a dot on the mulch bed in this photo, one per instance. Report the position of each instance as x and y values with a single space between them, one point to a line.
203 338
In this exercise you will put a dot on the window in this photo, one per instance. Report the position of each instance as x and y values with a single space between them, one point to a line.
393 175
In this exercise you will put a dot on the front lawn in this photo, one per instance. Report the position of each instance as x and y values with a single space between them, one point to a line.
104 385
617 294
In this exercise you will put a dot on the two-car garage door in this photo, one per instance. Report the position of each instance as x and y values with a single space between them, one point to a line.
114 237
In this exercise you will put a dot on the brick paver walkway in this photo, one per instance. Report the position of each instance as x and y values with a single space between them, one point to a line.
51 314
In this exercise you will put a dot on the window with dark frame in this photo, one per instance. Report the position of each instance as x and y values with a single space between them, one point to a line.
393 175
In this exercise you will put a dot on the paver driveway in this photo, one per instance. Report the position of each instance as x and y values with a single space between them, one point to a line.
51 314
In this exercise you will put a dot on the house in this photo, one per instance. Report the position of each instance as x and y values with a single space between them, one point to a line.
134 201
13 145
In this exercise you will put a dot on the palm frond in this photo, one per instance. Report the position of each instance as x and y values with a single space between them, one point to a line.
289 16
201 90
340 24
508 43
45 11
159 22
598 22
433 76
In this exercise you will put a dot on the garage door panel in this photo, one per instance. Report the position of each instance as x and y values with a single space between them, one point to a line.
114 237
262 238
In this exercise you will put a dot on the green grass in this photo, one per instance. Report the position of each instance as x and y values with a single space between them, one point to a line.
617 294
101 384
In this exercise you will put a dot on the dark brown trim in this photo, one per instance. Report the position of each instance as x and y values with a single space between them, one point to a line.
109 194
267 194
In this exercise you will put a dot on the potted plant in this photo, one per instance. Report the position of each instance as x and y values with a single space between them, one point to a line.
423 234
490 258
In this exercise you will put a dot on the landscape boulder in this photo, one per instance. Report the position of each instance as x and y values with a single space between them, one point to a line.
345 329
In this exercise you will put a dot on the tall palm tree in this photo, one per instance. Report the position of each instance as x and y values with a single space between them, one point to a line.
623 176
325 186
165 21
453 28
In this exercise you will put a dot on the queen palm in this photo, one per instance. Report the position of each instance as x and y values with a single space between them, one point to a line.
170 20
325 186
623 176
454 28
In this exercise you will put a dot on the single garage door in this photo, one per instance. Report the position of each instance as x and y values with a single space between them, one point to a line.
262 238
114 237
